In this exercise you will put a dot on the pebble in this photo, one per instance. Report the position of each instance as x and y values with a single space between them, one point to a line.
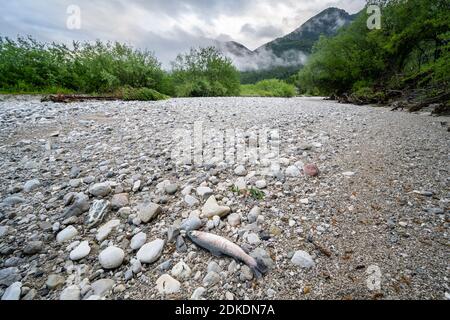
111 258
311 170
293 172
198 293
191 224
253 239
151 252
212 208
71 293
31 185
100 189
119 201
138 241
181 271
204 192
67 234
234 220
97 212
211 279
254 214
261 184
12 292
171 189
303 259
55 281
240 171
33 247
191 201
9 275
104 231
102 287
167 285
81 251
148 211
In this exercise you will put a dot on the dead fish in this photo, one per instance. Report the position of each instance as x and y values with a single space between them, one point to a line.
220 246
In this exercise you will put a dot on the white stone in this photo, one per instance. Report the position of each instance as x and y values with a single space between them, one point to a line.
148 211
303 259
167 285
151 252
261 184
181 271
105 230
13 292
234 220
253 239
204 192
241 184
198 293
70 293
212 208
293 171
240 171
81 251
348 174
190 200
67 234
138 241
111 258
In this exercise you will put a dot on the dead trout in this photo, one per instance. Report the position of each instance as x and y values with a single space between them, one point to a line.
219 247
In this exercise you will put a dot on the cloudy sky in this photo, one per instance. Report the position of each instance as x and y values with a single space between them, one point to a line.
166 27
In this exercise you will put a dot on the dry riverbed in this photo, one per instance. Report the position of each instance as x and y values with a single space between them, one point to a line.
93 205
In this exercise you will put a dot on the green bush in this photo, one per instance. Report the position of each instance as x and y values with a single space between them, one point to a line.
204 72
411 51
29 66
141 94
269 88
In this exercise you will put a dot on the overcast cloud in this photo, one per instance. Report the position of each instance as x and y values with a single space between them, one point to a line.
166 27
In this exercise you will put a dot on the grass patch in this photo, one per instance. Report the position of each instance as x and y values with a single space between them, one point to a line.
140 94
269 88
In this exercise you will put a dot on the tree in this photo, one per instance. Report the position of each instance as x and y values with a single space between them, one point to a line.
205 72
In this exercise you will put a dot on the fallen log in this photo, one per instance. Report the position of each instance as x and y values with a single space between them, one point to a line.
63 98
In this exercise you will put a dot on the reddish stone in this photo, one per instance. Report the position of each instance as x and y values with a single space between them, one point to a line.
311 170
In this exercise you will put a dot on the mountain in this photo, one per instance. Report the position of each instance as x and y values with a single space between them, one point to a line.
291 50
327 23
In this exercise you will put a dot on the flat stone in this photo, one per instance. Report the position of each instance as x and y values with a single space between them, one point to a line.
119 201
138 241
31 185
212 208
167 285
234 220
67 234
104 231
181 271
78 204
13 201
71 293
100 189
97 212
311 170
148 211
12 292
211 279
102 287
81 251
191 224
33 247
9 275
55 281
303 259
111 258
151 252
204 192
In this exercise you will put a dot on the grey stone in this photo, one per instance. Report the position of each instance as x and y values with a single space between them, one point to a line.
111 258
148 211
303 259
100 189
13 292
151 252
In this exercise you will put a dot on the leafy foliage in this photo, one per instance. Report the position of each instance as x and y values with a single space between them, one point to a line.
410 51
204 72
28 65
269 88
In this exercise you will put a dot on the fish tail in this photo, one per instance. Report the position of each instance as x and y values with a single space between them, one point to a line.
259 269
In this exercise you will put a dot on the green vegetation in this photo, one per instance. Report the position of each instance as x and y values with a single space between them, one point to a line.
269 88
205 72
257 194
409 53
140 94
279 72
28 66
